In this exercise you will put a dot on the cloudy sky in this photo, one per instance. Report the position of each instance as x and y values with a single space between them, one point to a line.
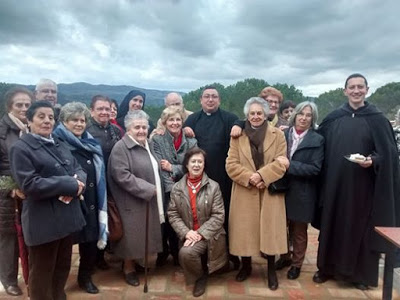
182 45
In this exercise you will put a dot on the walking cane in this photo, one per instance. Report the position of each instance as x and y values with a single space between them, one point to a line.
146 247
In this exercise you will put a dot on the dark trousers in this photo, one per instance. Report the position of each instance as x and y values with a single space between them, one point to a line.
169 239
193 261
49 266
9 259
299 238
87 262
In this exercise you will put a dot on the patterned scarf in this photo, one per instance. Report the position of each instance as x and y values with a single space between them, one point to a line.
88 143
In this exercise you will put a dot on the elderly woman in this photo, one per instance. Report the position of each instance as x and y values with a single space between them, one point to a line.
257 220
306 154
196 213
72 130
52 181
134 100
170 149
12 125
134 181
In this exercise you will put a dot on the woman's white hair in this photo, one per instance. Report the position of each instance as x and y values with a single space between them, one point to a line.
133 115
264 104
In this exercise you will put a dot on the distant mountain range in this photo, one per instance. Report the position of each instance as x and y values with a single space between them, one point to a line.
82 91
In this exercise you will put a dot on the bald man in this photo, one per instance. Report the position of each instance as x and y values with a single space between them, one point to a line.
46 89
174 100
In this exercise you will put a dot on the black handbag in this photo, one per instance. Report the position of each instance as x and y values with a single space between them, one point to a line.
279 186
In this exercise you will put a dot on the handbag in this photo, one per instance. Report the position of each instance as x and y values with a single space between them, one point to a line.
279 186
114 220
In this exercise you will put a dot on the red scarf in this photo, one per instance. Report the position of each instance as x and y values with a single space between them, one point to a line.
178 141
194 184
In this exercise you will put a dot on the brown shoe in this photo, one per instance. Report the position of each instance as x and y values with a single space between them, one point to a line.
13 290
200 286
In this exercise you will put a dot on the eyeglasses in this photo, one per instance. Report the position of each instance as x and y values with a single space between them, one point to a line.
210 96
48 91
102 108
21 105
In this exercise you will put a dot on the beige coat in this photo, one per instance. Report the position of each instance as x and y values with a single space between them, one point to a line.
257 220
210 215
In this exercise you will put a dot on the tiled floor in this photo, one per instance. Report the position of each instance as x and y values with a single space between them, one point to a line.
168 283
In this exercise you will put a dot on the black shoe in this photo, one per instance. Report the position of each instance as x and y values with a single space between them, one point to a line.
360 286
13 290
132 279
319 277
235 260
102 265
88 286
161 259
272 281
282 263
200 286
293 273
243 274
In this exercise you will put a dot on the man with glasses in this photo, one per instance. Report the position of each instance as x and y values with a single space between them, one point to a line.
46 89
212 127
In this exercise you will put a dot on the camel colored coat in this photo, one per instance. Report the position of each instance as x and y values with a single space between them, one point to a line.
257 219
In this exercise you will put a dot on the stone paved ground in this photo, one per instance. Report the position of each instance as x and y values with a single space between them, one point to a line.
168 283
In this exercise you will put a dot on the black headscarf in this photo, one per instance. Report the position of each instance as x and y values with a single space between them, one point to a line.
124 107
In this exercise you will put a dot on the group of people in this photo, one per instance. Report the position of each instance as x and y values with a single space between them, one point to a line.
214 190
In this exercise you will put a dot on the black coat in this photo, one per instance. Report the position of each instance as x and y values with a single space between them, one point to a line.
44 174
9 134
215 142
354 199
90 232
305 166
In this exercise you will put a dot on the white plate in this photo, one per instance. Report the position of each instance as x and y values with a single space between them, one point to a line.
354 160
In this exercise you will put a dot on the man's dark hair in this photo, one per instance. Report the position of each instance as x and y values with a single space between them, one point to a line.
98 98
35 106
209 87
189 154
356 75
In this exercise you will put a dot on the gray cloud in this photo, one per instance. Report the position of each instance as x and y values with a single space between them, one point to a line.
182 45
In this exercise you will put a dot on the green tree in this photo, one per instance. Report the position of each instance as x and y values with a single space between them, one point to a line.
387 99
329 101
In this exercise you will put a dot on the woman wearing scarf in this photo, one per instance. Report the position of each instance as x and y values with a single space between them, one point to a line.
257 220
196 213
87 151
135 100
52 181
134 181
12 126
306 154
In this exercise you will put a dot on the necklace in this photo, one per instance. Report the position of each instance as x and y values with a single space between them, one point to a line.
193 187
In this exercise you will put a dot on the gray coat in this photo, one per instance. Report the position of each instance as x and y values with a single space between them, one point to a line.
132 184
164 149
45 171
210 215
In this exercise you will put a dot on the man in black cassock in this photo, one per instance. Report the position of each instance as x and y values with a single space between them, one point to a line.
355 197
212 127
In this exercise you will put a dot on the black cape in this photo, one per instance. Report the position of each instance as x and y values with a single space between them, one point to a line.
355 199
